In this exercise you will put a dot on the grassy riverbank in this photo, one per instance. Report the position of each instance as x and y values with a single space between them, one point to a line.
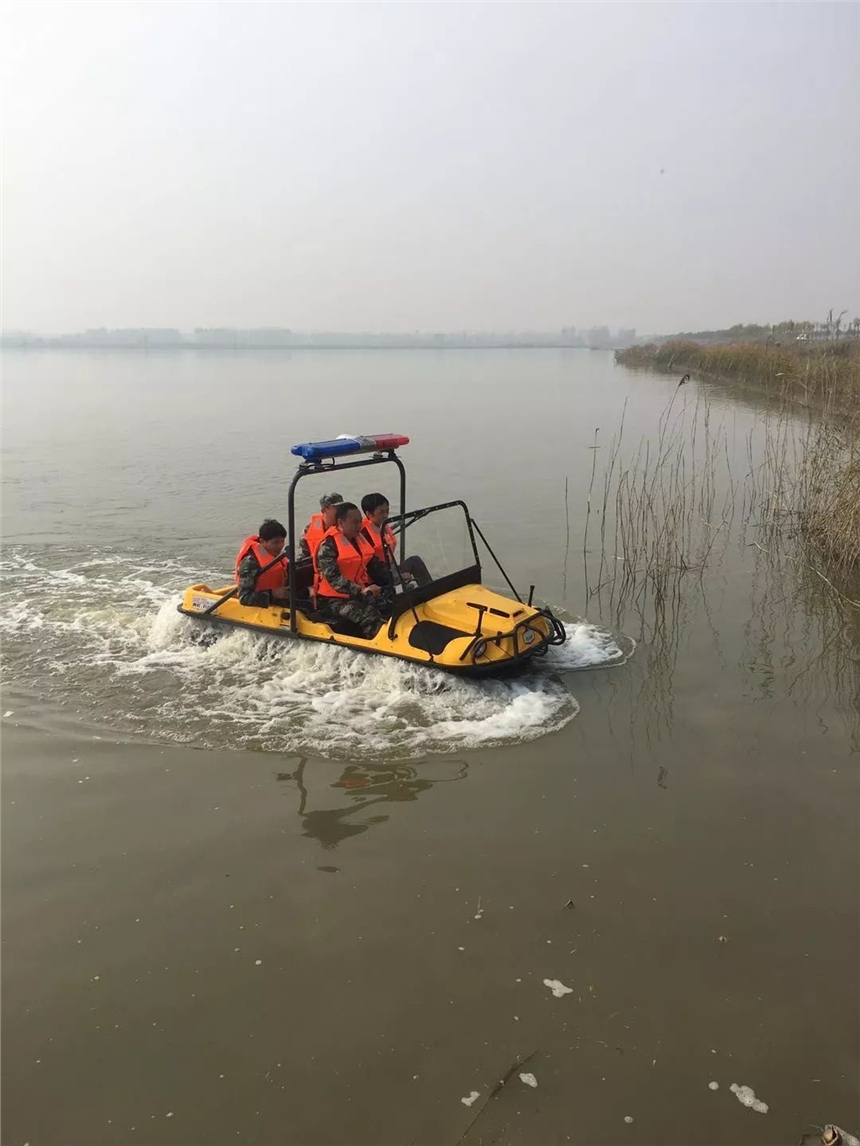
827 372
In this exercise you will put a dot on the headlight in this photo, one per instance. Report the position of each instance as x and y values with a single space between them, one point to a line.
479 649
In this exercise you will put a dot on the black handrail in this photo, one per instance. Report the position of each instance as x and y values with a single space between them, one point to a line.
404 520
497 561
415 514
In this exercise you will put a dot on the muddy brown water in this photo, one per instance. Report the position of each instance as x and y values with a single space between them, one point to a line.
228 917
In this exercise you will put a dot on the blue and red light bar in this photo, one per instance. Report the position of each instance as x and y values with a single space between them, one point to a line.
339 447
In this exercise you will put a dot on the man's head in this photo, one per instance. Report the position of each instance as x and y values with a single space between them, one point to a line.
375 507
272 536
348 517
328 504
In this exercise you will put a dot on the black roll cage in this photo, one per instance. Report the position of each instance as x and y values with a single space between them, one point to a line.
306 469
399 523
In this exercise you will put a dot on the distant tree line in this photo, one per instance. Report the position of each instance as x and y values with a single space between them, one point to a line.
830 328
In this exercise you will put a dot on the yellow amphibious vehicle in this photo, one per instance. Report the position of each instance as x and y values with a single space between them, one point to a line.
455 623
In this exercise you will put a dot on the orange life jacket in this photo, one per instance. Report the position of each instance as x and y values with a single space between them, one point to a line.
351 561
374 537
315 532
274 578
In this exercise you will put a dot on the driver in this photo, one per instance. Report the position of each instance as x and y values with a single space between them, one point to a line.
350 578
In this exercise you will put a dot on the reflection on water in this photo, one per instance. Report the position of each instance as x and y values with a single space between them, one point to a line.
337 801
804 638
786 642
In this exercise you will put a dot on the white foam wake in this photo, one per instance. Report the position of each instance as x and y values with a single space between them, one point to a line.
588 646
281 695
103 634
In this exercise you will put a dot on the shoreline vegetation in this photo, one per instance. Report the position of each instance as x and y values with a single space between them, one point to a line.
803 484
827 373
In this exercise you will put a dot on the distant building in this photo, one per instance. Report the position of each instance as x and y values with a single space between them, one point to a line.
626 336
598 338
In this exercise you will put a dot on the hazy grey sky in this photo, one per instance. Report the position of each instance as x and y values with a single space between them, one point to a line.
433 166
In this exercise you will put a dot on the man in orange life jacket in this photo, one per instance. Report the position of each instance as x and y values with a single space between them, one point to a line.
349 576
316 528
258 588
375 509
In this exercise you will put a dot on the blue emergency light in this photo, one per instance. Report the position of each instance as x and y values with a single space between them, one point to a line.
339 447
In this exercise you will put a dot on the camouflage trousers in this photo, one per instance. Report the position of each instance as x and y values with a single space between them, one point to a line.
368 617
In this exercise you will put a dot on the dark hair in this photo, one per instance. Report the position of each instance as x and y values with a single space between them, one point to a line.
343 509
372 501
271 529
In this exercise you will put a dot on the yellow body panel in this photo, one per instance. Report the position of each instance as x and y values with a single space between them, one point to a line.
453 610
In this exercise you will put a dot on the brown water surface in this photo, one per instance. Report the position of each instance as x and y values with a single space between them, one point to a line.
228 917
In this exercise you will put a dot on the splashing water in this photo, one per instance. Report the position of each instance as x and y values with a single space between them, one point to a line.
586 647
103 635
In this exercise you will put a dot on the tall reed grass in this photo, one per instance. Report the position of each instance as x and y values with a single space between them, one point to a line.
667 505
805 485
807 372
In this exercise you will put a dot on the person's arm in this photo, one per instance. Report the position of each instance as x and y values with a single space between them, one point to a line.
249 571
379 572
329 568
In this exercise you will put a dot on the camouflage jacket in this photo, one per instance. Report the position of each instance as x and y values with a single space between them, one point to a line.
249 571
330 569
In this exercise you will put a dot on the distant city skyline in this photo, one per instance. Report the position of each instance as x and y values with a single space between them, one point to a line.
833 323
273 337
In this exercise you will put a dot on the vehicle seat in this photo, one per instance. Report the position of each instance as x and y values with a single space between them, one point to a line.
340 625
302 574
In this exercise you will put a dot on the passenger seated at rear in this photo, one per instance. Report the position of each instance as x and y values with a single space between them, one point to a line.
262 581
375 508
315 529
350 578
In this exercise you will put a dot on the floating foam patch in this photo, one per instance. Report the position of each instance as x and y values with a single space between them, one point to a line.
558 988
746 1096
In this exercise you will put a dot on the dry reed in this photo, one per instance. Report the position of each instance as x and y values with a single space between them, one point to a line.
807 483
